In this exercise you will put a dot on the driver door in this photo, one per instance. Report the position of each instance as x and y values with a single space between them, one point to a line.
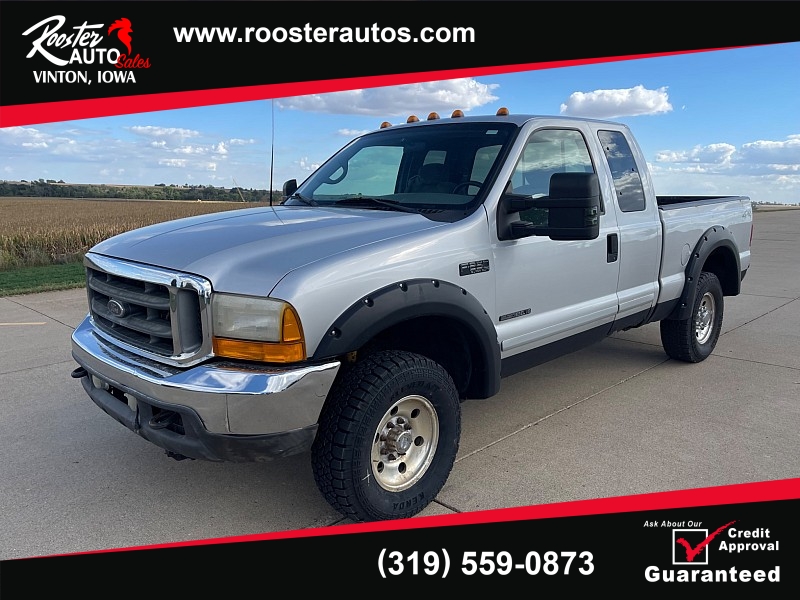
553 294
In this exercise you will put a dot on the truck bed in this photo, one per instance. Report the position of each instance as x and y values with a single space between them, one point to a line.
685 219
667 201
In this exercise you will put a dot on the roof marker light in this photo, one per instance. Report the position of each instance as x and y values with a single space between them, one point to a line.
502 112
385 124
433 116
457 113
412 119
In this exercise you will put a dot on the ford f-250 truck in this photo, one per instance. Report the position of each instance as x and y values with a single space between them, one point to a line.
413 270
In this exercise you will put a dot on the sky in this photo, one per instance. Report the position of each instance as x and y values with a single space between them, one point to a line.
724 122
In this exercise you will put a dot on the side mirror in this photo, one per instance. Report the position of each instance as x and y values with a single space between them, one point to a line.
573 208
289 188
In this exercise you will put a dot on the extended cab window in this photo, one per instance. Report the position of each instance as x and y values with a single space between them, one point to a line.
628 183
548 151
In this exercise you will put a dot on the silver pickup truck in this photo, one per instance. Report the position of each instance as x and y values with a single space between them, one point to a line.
416 268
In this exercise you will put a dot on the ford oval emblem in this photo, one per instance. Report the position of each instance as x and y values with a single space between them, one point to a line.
116 308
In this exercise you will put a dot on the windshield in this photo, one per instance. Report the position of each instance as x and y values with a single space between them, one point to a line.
442 167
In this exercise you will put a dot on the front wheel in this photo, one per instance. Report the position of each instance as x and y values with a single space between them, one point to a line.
388 437
693 339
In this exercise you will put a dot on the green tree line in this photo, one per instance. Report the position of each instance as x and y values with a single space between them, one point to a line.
161 191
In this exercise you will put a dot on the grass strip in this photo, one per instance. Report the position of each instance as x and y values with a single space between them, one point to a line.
29 280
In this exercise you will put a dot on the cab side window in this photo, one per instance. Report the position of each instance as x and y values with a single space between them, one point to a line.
627 181
548 151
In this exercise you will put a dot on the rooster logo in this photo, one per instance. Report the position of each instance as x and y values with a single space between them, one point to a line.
124 33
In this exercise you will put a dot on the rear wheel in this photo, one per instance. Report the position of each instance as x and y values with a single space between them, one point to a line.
388 437
693 339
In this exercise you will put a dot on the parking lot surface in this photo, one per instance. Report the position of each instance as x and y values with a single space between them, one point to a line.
617 418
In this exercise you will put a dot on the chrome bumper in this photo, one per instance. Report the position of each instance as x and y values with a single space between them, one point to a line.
235 402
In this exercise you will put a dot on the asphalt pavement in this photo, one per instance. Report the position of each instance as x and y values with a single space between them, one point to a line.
614 419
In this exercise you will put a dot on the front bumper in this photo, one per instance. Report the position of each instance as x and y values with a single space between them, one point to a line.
217 411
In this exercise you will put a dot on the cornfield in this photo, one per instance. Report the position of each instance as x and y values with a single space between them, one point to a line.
42 231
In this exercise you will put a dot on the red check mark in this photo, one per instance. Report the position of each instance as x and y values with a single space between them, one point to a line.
692 552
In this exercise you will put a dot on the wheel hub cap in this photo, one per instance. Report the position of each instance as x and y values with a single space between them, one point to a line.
704 319
398 439
405 443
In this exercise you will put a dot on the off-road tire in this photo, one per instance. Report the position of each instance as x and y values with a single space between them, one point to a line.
388 437
693 339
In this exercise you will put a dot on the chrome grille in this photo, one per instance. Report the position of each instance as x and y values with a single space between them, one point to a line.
161 314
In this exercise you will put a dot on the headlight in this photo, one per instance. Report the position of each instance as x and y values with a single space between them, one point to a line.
253 328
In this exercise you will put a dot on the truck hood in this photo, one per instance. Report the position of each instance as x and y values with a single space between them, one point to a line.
248 251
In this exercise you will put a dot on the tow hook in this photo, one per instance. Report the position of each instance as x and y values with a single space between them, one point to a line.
163 419
79 373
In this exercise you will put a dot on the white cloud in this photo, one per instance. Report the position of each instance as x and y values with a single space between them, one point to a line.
789 183
786 152
764 170
307 165
240 142
759 157
163 132
759 187
173 162
22 135
351 133
718 154
220 148
611 104
69 147
441 96
189 150
16 132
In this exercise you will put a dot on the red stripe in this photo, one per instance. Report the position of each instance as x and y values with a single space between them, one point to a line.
766 491
49 112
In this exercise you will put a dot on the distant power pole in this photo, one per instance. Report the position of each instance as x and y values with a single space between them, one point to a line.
238 189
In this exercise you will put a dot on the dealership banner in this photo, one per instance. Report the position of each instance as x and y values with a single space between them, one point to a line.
64 61
718 538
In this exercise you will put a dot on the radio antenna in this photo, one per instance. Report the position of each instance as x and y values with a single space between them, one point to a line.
272 152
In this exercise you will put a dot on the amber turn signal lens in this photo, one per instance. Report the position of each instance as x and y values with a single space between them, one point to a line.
291 331
260 351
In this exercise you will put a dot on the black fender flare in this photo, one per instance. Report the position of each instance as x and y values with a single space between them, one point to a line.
713 238
406 300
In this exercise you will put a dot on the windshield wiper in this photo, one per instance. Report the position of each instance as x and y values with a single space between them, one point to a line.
304 199
368 201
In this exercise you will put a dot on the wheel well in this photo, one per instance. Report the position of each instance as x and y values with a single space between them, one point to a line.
722 263
443 340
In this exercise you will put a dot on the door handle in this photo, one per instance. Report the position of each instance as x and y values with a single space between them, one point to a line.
612 247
